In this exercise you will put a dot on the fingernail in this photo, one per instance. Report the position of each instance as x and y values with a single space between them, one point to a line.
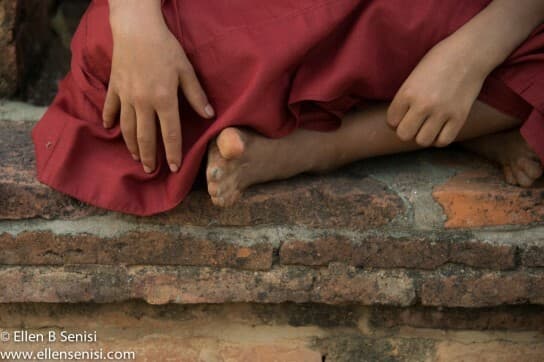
173 167
135 157
147 169
105 124
209 110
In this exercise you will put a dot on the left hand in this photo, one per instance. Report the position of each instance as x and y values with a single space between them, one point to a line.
434 102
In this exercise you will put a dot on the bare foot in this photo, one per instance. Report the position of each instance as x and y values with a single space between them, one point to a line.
239 158
520 164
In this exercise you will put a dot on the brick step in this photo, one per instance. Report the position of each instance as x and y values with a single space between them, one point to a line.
435 228
335 284
432 189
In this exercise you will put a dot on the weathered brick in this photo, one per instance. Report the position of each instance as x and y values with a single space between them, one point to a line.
24 34
503 351
267 353
532 255
418 252
335 200
481 254
8 62
482 198
66 284
348 348
340 283
513 318
137 247
190 285
473 290
21 194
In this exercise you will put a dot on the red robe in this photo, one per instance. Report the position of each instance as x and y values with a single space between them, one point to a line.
269 65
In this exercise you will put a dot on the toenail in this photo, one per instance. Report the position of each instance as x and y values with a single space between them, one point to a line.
216 173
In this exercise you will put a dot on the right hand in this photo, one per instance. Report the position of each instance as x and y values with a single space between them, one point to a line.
148 67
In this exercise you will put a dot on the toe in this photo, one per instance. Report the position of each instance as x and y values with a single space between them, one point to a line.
218 201
522 178
231 143
213 189
509 175
214 173
532 168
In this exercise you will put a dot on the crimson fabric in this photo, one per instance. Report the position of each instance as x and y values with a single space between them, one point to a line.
273 66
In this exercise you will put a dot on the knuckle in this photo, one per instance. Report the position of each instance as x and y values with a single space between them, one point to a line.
144 141
443 142
172 137
186 70
127 129
162 97
423 141
403 135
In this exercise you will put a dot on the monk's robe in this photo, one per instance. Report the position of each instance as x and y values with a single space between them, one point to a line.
272 66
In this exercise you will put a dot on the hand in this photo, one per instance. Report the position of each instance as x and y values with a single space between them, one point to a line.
433 104
148 67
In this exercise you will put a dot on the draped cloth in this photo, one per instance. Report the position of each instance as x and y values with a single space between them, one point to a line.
272 66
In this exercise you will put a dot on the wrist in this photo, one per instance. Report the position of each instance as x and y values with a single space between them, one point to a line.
129 14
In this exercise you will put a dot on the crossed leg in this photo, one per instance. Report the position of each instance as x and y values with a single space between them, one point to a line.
239 158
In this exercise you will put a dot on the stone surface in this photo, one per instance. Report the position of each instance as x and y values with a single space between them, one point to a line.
496 351
510 318
151 247
482 198
190 285
21 194
473 290
532 255
246 332
333 201
383 251
349 348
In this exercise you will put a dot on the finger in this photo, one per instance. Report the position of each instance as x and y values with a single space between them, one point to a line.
522 177
171 133
533 169
397 110
111 108
146 129
509 175
449 133
128 129
429 131
410 124
194 92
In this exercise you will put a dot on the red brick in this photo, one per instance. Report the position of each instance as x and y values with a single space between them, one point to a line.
66 284
482 198
474 290
418 252
206 285
340 283
142 247
190 285
481 254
